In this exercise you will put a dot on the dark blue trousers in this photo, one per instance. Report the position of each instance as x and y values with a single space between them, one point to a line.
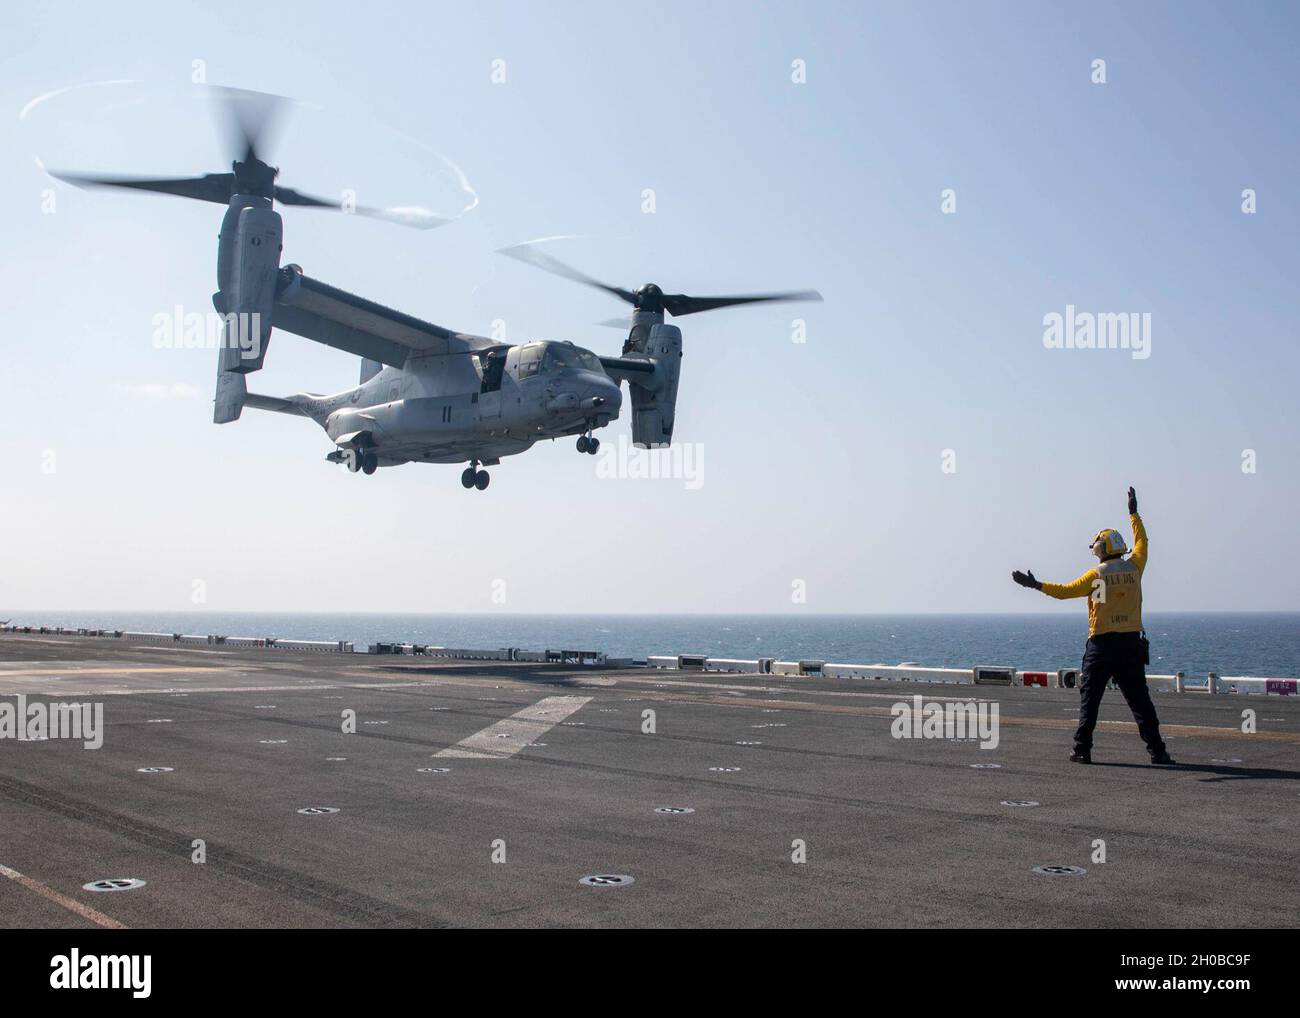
1116 656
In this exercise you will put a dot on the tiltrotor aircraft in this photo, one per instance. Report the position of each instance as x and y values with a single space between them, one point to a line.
427 394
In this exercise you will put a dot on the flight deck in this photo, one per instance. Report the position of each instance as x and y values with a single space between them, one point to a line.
530 794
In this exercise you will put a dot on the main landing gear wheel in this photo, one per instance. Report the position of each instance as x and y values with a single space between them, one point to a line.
361 460
588 444
474 478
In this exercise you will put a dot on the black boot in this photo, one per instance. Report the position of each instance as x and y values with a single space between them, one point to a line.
1083 756
1163 759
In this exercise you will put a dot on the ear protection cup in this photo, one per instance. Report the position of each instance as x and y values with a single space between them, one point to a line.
1113 541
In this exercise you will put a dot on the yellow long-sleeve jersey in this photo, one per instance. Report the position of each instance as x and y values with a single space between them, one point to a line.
1113 588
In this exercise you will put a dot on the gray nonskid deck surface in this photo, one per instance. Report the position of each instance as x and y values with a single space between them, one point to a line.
896 832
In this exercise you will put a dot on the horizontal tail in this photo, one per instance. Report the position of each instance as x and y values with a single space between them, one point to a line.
233 396
275 403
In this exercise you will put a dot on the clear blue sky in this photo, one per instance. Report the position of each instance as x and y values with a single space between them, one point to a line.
822 460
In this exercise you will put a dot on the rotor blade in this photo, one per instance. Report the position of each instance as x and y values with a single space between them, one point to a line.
409 215
678 304
288 196
624 323
529 254
214 187
249 120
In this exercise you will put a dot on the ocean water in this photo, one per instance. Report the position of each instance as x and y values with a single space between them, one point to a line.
1248 643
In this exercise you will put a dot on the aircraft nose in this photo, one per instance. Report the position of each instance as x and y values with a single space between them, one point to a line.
603 395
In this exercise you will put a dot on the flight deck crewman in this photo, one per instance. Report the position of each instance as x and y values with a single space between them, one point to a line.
1116 645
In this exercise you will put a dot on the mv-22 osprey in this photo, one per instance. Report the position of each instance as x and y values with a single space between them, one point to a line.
427 394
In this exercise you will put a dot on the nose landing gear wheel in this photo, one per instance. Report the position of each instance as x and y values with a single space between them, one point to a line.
588 444
583 443
473 477
369 463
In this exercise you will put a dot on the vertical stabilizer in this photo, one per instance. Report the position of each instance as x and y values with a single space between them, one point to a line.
231 392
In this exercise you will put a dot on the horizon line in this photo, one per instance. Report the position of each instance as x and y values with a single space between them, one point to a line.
1064 613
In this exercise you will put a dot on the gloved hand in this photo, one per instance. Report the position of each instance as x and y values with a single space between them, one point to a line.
1026 579
1132 501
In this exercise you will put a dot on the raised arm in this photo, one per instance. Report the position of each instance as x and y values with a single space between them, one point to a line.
1139 554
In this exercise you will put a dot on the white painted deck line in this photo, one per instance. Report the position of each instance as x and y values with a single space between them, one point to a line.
506 738
62 900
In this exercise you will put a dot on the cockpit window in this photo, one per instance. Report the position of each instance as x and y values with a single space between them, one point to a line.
530 360
561 355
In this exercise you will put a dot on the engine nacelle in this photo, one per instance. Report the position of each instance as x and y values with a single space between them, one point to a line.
655 406
248 263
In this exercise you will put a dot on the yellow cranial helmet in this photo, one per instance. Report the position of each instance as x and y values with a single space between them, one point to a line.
1113 541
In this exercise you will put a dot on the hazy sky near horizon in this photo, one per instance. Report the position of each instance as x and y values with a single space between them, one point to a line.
823 462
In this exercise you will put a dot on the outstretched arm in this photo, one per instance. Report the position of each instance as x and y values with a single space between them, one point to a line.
1081 587
1139 555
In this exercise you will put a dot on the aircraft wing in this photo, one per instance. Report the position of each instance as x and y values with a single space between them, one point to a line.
307 307
631 369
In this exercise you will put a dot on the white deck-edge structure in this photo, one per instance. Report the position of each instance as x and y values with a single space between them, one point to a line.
1063 678
191 640
979 675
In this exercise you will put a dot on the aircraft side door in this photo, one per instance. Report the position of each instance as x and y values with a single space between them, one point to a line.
489 397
